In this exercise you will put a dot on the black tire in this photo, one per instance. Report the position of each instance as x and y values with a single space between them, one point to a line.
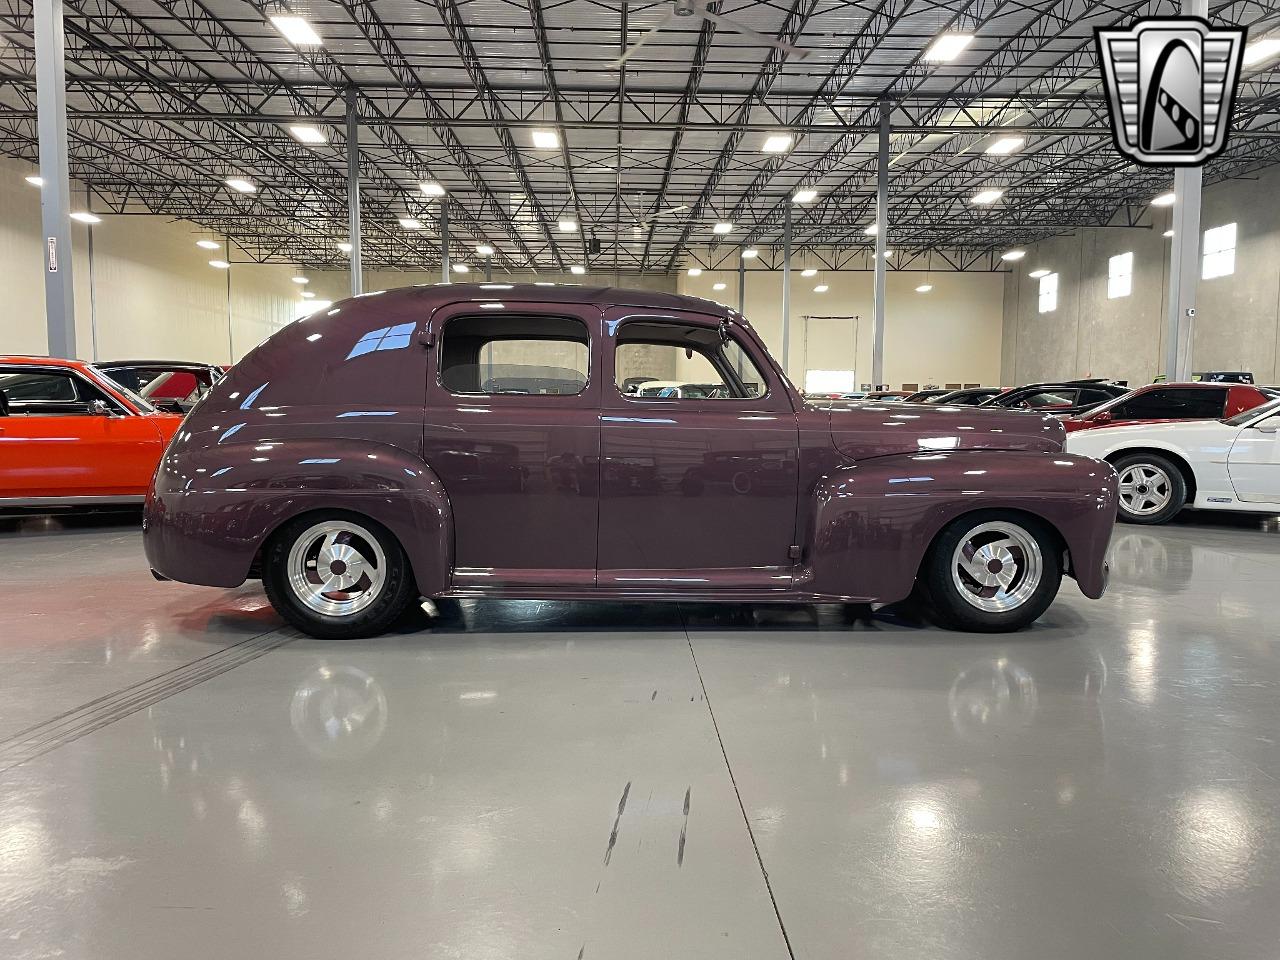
389 590
1018 541
1164 480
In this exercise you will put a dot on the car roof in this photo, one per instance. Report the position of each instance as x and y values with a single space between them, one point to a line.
37 361
176 364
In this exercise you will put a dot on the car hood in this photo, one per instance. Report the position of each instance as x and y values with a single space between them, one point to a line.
864 430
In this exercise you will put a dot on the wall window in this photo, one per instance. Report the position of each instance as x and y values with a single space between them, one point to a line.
1219 252
1120 275
1049 293
514 355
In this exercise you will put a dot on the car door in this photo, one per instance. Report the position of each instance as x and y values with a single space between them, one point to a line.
512 430
696 492
1254 461
56 443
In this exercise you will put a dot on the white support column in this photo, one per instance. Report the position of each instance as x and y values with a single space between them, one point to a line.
882 244
444 239
55 192
353 191
1184 254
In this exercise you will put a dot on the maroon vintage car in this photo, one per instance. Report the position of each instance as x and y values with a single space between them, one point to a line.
478 440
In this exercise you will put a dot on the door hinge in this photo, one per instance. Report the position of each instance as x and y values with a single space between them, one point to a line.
793 551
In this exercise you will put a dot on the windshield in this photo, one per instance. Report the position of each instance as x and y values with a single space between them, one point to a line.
1240 419
140 404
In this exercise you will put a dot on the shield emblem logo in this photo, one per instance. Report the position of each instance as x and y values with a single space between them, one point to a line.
1171 84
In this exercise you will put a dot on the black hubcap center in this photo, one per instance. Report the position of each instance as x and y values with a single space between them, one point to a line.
994 566
337 568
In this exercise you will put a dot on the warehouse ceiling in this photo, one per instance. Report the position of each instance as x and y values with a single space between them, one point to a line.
168 99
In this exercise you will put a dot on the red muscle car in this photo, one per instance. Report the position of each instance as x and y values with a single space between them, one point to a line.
1168 402
70 436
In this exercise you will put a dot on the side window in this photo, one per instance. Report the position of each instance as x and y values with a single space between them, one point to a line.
677 361
515 355
1047 400
49 393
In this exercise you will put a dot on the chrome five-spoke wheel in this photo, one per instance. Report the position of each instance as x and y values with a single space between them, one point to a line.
997 566
1145 489
336 568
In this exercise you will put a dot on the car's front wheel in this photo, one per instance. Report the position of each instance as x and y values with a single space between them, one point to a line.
1152 489
337 576
992 572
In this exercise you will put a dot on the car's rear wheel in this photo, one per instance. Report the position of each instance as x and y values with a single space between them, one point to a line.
1152 488
337 576
992 572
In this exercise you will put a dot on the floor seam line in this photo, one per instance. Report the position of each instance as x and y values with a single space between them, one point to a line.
764 873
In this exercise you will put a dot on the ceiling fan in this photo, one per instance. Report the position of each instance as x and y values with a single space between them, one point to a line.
698 8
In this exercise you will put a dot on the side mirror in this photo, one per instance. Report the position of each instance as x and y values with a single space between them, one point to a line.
99 408
1102 416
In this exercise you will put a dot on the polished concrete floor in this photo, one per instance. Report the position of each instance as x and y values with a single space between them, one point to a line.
181 777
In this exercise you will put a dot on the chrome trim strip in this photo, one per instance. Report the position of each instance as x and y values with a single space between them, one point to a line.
68 501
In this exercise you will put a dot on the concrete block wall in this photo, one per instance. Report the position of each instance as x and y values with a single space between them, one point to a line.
1238 316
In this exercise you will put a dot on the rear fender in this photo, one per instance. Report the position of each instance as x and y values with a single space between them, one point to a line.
211 511
873 522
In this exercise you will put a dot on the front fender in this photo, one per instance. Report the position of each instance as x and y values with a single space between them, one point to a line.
211 509
873 522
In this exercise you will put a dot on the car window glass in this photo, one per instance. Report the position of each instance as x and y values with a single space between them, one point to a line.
1087 397
1171 404
1046 399
515 355
49 393
675 361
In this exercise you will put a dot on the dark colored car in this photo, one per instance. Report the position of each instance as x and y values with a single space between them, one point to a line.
1063 398
1216 376
1167 402
927 396
171 385
360 458
969 397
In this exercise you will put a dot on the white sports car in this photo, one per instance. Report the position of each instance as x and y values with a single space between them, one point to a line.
1208 464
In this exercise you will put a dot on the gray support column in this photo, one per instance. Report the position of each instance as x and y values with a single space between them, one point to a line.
353 191
444 239
55 193
488 269
786 289
742 283
1184 254
882 244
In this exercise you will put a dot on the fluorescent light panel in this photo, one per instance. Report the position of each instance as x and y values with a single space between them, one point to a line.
809 272
1005 146
307 133
461 268
1164 199
85 216
208 244
546 139
1037 274
577 270
220 264
821 288
805 195
924 288
1012 255
297 31
947 47
722 227
345 247
990 195
431 188
871 229
411 223
484 250
777 143
300 279
568 226
750 252
695 271
718 286
35 181
241 185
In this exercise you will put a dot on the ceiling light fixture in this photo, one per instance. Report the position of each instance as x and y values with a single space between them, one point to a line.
872 229
947 47
821 288
577 269
722 227
1168 233
805 195
297 31
809 272
750 252
307 133
1037 274
241 185
208 244
300 279
568 226
924 288
695 271
1261 50
546 139
461 268
720 285
431 188
988 196
410 223
345 247
777 143
35 181
220 264
1164 199
484 250
85 216
1005 146
1012 255
307 294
